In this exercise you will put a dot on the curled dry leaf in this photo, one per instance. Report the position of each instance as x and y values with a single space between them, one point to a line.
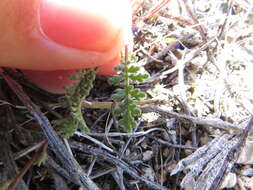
246 155
229 181
206 167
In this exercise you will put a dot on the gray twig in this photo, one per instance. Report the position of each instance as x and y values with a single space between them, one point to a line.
116 161
199 121
54 140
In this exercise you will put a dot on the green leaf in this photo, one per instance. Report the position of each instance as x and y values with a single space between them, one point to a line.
133 69
119 67
136 111
41 159
127 63
137 94
119 95
139 77
129 123
133 58
116 79
74 77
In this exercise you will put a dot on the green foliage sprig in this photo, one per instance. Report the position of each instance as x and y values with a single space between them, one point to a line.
75 97
126 109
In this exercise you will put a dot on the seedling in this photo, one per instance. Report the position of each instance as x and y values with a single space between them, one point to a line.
126 109
75 96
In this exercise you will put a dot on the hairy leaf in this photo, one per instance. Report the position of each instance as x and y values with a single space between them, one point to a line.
75 97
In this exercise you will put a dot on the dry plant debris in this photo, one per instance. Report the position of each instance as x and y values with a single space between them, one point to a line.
199 55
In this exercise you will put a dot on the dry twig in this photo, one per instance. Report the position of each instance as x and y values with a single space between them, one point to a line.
54 140
207 166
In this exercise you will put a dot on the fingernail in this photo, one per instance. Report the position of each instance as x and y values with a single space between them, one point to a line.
72 24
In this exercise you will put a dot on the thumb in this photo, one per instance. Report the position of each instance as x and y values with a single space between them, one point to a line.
61 34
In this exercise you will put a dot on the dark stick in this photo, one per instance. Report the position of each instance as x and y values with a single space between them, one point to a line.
54 140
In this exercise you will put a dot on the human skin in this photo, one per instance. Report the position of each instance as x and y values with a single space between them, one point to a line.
49 39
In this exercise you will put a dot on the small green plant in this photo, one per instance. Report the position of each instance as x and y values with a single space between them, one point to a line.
126 109
75 97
